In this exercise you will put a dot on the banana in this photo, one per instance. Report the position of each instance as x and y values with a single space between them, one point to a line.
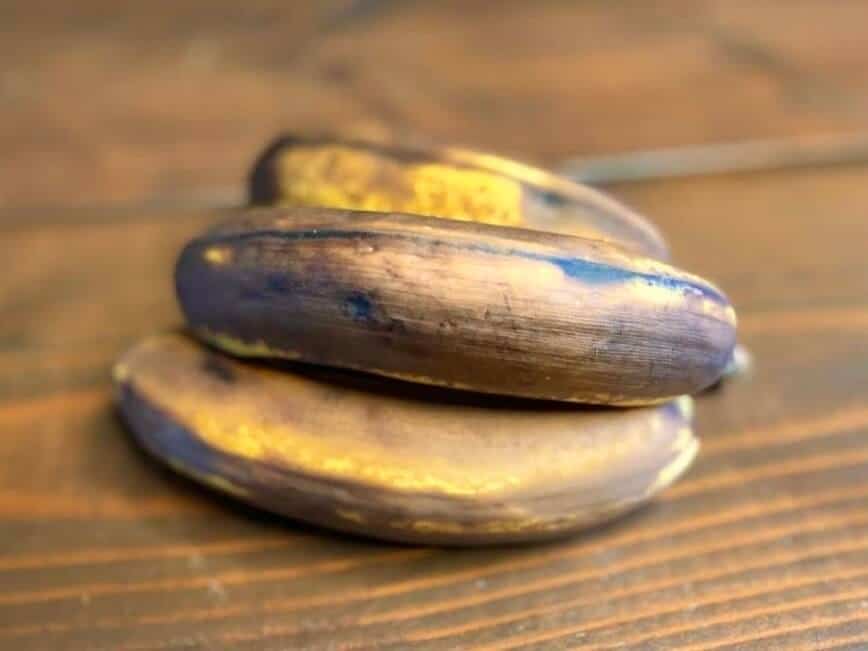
390 459
458 304
388 176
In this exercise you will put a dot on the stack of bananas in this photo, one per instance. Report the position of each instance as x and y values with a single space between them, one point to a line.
479 351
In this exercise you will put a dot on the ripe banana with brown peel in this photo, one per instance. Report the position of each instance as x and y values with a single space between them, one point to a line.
458 304
447 182
394 460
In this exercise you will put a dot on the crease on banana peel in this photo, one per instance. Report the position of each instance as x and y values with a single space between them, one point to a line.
260 349
208 478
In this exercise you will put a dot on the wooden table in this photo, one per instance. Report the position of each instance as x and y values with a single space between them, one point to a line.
122 133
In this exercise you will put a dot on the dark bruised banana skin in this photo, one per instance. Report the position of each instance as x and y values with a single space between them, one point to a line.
393 460
388 176
457 304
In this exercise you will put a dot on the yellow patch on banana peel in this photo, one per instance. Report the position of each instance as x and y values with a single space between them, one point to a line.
340 177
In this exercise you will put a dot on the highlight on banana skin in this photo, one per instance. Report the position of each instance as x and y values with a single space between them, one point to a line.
429 345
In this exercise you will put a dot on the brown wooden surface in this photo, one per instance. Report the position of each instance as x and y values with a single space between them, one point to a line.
109 116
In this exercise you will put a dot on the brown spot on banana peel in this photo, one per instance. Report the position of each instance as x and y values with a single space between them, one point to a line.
394 460
526 313
446 182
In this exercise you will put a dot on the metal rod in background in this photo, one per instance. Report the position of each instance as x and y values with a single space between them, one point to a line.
698 160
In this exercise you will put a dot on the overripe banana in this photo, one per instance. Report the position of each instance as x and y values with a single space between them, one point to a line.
389 176
383 174
458 304
394 460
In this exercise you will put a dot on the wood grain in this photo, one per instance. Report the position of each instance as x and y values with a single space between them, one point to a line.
175 103
764 545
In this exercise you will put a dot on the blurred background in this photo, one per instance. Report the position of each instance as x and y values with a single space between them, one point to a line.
169 101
